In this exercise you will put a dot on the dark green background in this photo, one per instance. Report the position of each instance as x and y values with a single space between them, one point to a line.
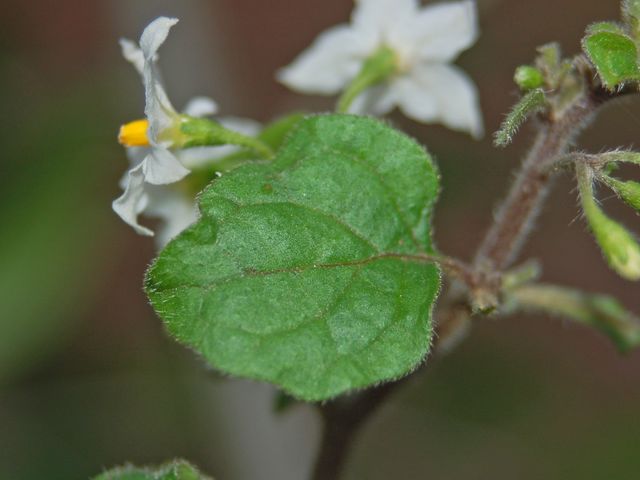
87 377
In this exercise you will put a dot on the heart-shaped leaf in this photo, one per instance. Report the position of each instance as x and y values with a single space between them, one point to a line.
614 55
313 272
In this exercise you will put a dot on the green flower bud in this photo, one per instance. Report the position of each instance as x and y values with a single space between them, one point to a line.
528 78
605 27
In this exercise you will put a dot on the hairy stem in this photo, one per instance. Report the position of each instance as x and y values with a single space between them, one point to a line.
516 215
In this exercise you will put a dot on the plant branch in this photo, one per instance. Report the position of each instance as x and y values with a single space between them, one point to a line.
344 416
519 211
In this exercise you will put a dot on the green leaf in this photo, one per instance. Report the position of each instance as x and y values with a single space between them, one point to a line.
628 191
312 272
532 102
631 15
175 470
619 246
601 312
605 27
615 57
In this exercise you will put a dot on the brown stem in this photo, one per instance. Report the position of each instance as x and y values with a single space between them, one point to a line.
342 420
517 214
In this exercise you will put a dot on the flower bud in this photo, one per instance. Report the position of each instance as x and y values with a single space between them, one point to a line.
528 78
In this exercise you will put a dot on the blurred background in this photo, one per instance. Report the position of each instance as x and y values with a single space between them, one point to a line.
88 378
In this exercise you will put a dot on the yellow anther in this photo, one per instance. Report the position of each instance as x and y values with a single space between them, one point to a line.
134 134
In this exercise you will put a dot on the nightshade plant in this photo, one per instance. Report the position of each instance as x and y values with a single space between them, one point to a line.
309 261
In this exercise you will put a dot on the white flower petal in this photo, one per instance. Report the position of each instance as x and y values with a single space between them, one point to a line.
200 107
133 201
161 167
329 64
377 17
154 36
133 54
441 32
157 108
176 211
444 94
416 98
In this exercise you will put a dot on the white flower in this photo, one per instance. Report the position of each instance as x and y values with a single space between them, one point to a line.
424 40
154 169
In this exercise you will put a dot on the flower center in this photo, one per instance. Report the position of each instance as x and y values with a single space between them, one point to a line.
134 134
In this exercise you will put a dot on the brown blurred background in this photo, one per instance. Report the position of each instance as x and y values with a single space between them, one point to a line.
88 378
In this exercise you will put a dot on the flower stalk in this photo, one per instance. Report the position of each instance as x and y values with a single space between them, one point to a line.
375 70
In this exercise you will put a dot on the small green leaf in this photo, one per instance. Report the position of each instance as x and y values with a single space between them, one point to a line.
601 312
549 57
528 77
631 14
616 156
628 191
619 246
532 102
605 27
311 272
175 470
615 57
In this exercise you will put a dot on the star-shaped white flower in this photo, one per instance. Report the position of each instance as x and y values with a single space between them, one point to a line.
154 167
425 40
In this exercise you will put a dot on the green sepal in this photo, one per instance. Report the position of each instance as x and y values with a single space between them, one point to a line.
315 271
381 65
532 102
272 135
528 77
628 191
615 57
601 312
200 132
175 470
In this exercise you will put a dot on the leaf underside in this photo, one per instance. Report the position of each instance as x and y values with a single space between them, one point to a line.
309 272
